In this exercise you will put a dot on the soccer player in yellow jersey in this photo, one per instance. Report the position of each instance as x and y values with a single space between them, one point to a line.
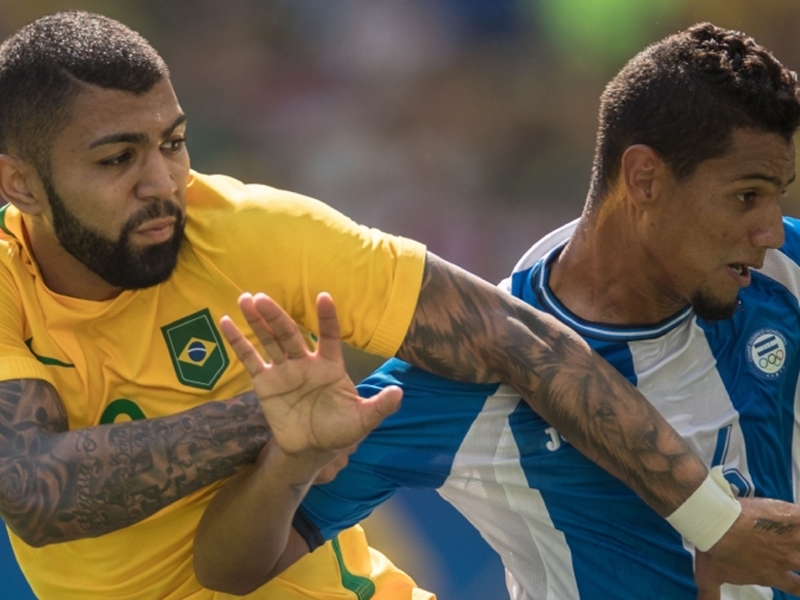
121 411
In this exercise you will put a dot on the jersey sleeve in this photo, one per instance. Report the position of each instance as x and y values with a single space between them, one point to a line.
293 247
16 359
414 448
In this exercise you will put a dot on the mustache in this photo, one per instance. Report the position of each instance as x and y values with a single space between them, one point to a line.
155 210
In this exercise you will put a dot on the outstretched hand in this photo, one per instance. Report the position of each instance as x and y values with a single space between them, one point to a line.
308 399
762 548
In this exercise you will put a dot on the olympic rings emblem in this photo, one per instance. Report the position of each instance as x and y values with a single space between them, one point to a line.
767 351
774 358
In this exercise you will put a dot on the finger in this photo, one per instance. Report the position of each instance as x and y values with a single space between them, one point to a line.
282 325
243 349
790 583
272 347
330 335
380 406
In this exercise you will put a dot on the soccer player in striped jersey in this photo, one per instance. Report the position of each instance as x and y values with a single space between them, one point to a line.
681 273
120 411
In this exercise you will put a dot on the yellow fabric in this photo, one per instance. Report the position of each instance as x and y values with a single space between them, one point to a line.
317 575
238 238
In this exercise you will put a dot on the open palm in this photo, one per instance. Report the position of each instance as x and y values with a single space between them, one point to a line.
308 399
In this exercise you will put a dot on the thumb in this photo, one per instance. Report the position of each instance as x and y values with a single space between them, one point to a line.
376 408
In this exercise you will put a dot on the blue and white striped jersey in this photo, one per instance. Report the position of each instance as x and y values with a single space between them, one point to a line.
564 528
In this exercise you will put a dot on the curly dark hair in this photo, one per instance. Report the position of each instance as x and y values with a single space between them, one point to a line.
685 95
44 65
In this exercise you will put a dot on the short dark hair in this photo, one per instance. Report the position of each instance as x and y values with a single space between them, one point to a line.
685 95
44 64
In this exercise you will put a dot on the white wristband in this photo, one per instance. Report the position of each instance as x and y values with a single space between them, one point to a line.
708 513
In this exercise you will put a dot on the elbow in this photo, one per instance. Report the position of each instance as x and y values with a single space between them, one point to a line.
237 588
30 496
238 582
35 538
35 541
18 517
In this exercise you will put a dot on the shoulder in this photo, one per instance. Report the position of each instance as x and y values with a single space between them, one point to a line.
549 242
16 261
220 196
783 265
222 211
791 246
775 287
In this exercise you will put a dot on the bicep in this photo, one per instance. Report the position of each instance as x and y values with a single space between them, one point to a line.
467 329
27 405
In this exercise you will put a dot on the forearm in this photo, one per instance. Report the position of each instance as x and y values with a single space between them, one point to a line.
60 485
242 540
316 417
466 329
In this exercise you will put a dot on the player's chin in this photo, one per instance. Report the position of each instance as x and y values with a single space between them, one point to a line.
715 308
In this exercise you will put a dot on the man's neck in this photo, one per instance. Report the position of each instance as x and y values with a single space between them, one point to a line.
604 276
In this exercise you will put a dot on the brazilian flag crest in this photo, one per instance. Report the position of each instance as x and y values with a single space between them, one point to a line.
196 350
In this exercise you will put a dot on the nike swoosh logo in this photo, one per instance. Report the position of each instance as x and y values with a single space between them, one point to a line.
46 360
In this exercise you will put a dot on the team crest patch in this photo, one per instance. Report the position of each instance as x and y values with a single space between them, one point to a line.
196 350
766 351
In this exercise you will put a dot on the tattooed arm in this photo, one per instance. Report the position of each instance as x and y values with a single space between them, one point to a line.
466 329
58 485
245 536
240 545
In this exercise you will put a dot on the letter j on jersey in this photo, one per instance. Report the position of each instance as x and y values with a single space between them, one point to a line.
196 350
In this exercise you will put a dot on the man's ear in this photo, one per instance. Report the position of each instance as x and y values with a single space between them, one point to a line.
642 172
21 185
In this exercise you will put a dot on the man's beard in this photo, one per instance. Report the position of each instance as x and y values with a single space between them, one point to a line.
118 263
710 309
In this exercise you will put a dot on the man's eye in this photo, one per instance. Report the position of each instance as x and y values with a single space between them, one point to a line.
174 145
746 197
116 160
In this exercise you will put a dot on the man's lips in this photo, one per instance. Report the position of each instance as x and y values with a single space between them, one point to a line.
157 230
741 272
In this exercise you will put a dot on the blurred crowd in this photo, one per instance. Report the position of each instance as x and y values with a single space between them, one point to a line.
468 124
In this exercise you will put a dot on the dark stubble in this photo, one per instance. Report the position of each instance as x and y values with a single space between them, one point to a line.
118 262
710 309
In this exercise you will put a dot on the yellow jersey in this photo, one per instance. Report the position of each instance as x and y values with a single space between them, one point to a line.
157 351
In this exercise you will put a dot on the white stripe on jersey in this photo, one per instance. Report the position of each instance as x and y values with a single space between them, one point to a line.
550 542
677 373
488 486
785 271
515 590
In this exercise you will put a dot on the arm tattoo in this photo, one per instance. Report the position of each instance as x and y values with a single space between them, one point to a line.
59 485
466 329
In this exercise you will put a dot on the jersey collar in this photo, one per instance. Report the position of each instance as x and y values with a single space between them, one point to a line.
539 284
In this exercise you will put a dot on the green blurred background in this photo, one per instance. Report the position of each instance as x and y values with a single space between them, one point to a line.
467 124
